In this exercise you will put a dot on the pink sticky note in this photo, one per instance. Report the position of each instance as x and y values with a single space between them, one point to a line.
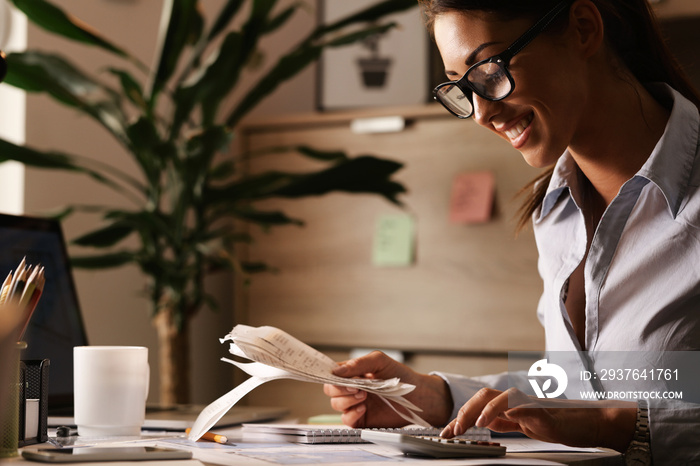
471 200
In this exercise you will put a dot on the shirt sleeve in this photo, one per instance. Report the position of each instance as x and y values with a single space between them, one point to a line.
463 388
674 428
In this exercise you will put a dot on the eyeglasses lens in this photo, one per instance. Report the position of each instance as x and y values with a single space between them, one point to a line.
455 100
490 81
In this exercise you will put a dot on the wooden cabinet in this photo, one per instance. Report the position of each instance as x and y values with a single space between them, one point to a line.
469 298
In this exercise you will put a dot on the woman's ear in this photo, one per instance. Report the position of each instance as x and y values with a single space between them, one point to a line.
586 25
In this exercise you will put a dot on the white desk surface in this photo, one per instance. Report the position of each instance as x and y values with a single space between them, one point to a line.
257 452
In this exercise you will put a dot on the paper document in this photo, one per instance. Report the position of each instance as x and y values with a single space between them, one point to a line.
278 355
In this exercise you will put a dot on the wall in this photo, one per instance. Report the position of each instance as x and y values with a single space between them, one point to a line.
13 35
114 311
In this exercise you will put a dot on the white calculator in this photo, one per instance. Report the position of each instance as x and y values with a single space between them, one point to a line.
434 447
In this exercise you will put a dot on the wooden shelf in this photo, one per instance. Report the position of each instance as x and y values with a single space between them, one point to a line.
672 9
409 112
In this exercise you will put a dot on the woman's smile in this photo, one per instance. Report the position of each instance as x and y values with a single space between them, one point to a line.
516 133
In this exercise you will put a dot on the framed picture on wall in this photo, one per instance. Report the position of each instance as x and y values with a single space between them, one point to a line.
383 70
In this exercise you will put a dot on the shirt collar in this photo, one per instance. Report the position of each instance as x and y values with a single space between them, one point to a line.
669 166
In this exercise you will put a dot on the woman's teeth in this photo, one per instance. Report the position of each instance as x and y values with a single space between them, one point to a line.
518 129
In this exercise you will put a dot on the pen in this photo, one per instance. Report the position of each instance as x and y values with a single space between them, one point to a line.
5 288
212 437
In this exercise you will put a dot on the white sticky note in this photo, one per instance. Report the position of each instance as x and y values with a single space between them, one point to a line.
394 241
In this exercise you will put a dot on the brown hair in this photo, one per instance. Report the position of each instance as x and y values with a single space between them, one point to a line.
632 33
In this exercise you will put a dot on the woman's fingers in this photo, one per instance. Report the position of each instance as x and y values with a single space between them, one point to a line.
354 417
500 404
472 412
347 401
487 408
370 364
337 390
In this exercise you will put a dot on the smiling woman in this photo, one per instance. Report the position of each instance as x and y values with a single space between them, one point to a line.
588 90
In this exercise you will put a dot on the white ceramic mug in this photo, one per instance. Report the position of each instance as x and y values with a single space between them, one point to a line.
110 389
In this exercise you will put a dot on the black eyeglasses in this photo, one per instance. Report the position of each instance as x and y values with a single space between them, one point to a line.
490 78
3 65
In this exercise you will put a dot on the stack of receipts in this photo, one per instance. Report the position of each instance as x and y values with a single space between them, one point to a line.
278 355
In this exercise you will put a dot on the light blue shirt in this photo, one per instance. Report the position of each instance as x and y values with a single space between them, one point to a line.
642 274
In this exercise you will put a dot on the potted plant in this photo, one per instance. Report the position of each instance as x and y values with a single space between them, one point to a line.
189 195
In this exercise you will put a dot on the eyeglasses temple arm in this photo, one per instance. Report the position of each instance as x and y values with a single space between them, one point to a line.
542 24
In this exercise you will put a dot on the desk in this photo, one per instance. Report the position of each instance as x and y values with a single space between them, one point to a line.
259 452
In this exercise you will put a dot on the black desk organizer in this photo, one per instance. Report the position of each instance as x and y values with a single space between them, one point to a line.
34 384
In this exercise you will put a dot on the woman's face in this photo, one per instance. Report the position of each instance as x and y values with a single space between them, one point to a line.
540 117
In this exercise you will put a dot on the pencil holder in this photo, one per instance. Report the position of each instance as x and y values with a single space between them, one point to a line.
33 401
9 413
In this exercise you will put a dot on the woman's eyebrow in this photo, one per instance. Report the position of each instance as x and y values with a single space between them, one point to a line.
471 58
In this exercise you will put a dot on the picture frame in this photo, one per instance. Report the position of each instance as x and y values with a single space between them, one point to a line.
389 70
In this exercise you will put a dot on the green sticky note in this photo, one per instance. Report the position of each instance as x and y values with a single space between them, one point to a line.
394 241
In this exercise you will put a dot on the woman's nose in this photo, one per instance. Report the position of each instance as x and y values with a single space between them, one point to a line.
485 110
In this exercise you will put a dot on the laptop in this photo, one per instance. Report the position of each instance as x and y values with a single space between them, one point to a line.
57 326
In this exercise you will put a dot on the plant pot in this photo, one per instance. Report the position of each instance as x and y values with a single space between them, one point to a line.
173 358
374 71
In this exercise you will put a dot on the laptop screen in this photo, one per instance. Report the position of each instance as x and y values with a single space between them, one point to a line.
56 326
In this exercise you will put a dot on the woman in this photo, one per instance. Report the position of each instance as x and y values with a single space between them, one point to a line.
587 88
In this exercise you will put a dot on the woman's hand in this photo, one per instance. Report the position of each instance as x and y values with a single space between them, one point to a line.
571 422
361 409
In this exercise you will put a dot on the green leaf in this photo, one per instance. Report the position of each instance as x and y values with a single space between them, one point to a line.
147 223
321 155
202 147
51 160
258 21
104 261
281 19
223 74
36 71
143 134
298 59
144 140
182 20
368 15
34 158
287 67
264 218
216 80
256 267
250 188
196 28
222 170
105 236
358 36
131 88
54 19
365 174
61 213
227 13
